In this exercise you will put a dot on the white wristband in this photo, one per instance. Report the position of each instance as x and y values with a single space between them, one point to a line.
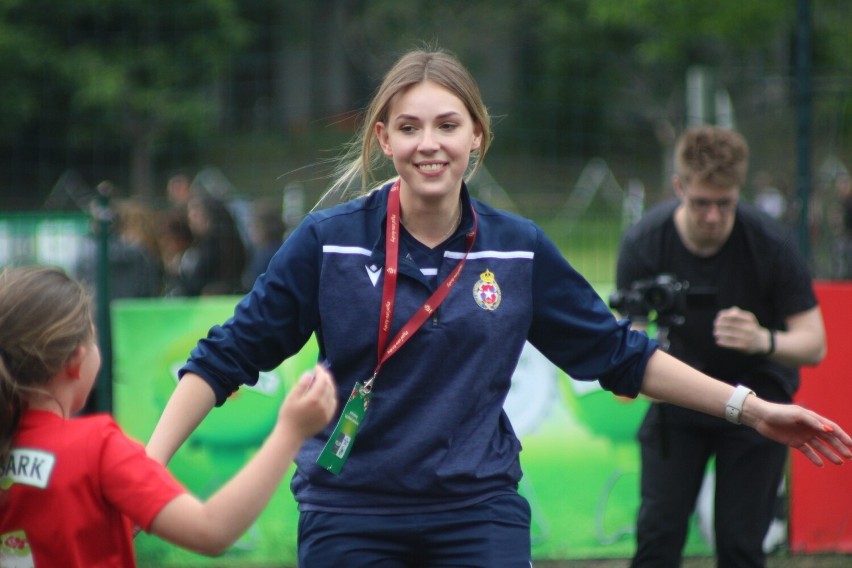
734 408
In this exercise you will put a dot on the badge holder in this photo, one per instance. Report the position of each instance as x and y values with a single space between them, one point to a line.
337 449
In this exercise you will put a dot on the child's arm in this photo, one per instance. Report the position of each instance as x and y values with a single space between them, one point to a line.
211 527
190 402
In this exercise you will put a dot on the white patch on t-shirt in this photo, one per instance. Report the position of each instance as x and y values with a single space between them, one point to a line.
27 466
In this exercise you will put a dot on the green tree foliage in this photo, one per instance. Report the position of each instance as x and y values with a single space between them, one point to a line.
128 81
577 66
833 52
696 32
557 61
114 75
751 47
379 31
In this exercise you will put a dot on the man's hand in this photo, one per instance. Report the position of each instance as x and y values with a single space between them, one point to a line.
738 329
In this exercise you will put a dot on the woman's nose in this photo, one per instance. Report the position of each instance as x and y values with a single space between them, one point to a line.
428 141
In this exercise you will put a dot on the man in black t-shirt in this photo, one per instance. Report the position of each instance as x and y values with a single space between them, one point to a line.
750 318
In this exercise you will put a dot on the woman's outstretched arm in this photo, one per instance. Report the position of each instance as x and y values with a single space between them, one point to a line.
670 380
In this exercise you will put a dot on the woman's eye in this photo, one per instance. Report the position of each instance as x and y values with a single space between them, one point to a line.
449 126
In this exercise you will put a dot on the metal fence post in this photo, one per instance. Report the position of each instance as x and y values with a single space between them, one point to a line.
103 387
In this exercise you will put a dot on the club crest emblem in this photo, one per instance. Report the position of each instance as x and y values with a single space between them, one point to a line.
486 291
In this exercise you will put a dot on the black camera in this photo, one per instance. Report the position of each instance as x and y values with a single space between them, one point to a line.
664 296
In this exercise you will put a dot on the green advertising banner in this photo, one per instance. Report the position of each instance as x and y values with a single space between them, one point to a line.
580 460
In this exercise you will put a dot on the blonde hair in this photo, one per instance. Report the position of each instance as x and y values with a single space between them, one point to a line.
713 155
137 224
44 316
440 67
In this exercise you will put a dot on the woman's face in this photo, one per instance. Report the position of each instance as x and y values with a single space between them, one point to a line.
430 136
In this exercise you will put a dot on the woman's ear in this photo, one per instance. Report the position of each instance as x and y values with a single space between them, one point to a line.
75 362
477 137
382 136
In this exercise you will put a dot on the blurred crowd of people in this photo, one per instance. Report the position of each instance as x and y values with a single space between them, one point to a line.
203 240
198 243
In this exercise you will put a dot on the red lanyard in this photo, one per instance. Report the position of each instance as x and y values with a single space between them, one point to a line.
392 236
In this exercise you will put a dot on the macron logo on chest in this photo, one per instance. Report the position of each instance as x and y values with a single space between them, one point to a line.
27 467
373 272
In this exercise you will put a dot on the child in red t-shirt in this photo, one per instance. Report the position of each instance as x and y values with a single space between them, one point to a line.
71 490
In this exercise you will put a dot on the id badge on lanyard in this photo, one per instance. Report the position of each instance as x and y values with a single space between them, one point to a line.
337 449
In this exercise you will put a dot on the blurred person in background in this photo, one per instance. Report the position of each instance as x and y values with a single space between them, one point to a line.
139 227
135 268
174 238
750 318
842 248
214 262
266 233
174 235
768 197
179 189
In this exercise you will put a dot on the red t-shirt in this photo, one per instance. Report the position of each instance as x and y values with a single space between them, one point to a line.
72 491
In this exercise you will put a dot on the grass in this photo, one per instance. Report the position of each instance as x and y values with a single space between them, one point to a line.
778 560
781 560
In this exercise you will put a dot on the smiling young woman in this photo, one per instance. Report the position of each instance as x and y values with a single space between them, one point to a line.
421 299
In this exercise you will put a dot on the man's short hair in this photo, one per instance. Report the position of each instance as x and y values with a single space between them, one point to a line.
712 155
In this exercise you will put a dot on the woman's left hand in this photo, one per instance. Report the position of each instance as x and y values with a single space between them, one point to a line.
802 429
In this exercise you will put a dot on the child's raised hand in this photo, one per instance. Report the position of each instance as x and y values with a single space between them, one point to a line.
211 526
310 404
